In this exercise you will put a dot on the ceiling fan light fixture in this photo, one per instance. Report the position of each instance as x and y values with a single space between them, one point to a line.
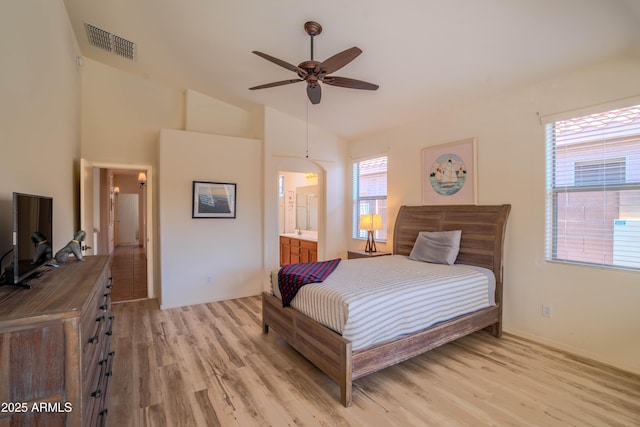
314 72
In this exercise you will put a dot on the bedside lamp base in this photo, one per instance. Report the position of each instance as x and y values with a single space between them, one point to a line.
371 244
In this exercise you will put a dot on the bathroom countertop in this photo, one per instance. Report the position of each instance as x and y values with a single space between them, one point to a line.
312 237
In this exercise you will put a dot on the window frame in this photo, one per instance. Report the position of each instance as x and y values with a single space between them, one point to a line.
608 175
356 233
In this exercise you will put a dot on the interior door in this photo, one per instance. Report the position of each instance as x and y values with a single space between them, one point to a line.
86 206
127 217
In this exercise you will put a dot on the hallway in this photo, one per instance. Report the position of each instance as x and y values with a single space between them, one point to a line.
129 271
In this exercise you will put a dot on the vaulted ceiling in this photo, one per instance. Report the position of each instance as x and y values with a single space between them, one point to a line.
424 54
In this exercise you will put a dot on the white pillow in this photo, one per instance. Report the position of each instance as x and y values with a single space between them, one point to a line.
438 247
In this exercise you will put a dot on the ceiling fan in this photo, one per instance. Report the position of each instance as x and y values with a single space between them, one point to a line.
314 72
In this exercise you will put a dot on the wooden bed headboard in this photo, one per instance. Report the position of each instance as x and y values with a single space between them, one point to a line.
483 229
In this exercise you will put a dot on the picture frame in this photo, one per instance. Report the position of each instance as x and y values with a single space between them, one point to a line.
213 200
449 173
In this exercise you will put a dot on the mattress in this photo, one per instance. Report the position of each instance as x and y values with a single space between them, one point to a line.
369 301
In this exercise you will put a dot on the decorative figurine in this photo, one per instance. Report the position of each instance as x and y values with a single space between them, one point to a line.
43 247
73 247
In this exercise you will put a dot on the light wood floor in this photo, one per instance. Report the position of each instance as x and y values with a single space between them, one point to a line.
211 365
129 271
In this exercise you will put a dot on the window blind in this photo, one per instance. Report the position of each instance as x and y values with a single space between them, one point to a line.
593 189
370 195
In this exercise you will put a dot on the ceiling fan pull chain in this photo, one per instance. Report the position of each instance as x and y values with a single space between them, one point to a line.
307 152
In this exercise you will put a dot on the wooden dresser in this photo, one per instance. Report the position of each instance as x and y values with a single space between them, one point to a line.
293 251
55 356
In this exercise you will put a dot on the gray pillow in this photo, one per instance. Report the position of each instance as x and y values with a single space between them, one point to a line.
438 247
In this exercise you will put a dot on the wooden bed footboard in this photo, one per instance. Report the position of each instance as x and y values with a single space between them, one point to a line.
323 347
333 355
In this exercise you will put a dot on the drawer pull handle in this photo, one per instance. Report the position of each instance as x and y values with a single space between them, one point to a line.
103 307
103 361
108 374
97 394
93 339
99 319
103 412
109 286
108 294
109 333
111 353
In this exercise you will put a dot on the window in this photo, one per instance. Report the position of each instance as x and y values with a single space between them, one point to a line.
608 172
281 186
370 195
593 189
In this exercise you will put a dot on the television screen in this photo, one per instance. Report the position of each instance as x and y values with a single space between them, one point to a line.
32 234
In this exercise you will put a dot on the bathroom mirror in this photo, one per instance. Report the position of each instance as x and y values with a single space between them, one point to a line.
307 208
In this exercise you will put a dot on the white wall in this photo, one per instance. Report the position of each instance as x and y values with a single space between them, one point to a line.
39 112
121 122
595 311
122 115
209 115
205 260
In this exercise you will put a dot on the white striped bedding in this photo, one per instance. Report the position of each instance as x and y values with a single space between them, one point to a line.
369 301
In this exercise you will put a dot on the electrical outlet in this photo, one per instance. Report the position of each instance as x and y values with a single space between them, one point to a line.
546 311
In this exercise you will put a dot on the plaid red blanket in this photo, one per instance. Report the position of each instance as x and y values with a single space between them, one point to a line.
292 277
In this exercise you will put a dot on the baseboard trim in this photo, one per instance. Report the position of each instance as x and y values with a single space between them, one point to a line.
634 370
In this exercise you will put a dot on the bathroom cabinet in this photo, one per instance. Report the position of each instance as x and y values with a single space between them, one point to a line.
294 250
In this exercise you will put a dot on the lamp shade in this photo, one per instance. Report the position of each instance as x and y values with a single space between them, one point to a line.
142 177
370 222
376 219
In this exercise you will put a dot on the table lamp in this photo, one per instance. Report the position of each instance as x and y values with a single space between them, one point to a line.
370 222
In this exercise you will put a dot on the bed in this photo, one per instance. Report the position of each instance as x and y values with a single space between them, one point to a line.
483 231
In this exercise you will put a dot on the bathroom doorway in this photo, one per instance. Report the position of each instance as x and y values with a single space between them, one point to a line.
298 216
297 202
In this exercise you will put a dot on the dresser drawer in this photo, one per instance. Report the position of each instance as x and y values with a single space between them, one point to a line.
99 304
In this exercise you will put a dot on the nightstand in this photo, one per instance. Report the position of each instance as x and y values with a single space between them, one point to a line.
364 254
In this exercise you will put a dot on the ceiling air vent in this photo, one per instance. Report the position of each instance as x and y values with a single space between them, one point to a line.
110 42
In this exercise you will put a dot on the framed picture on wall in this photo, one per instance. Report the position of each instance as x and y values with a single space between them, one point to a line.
213 200
449 174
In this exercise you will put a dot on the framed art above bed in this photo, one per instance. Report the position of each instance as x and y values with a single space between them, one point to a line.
449 173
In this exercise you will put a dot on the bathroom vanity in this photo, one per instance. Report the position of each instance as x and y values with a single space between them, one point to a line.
296 248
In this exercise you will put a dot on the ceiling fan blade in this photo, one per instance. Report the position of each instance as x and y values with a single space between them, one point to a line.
274 84
314 93
349 83
339 60
281 63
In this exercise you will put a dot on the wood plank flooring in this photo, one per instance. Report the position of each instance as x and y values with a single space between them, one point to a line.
129 271
211 365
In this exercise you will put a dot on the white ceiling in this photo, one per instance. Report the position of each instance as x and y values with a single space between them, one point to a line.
424 54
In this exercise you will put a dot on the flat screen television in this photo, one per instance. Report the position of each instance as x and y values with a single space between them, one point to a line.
32 234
